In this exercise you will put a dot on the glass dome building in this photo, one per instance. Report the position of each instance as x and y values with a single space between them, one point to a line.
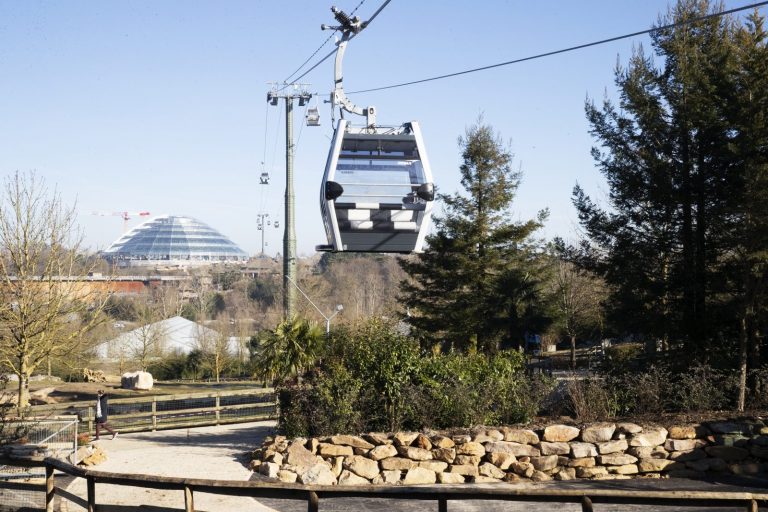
174 241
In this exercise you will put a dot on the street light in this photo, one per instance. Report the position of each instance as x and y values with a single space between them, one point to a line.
339 308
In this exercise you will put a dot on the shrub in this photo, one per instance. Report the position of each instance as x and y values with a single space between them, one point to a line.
374 378
591 399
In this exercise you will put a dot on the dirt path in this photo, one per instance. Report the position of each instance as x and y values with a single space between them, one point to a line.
204 452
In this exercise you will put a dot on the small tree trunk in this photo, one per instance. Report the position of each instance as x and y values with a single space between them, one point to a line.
742 363
573 352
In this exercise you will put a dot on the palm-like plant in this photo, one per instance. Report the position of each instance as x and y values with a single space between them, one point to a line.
290 350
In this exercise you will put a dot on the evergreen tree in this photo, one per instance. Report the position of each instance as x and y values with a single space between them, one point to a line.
673 189
479 281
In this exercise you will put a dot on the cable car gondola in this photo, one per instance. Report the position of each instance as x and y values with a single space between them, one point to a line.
377 190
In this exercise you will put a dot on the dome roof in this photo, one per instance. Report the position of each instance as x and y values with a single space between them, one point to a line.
174 240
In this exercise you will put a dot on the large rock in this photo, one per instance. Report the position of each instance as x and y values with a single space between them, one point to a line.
728 427
349 478
137 380
423 442
525 469
728 453
289 477
582 450
501 460
391 476
444 454
516 449
383 451
433 465
598 432
586 462
334 450
649 437
656 465
362 466
442 442
488 435
616 459
593 472
612 446
404 438
685 432
418 476
269 469
464 469
554 448
560 433
414 453
488 469
471 448
398 463
467 459
377 438
648 452
353 441
319 474
544 463
450 478
688 456
626 469
297 455
522 436
628 428
680 445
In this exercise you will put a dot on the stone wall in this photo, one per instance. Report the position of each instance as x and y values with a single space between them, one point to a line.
561 452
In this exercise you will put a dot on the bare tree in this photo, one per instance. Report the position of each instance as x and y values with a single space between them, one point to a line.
578 296
147 342
46 308
214 347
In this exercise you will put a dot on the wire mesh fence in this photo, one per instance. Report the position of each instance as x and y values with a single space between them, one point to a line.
19 483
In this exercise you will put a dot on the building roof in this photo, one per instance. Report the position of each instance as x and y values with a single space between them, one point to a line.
173 240
176 334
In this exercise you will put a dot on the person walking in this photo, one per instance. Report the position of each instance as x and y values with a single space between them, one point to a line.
102 405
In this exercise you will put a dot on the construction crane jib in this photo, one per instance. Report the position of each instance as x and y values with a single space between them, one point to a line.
349 27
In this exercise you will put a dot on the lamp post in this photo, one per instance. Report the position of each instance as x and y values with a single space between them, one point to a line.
339 309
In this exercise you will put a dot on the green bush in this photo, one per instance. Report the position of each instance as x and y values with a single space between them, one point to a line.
374 378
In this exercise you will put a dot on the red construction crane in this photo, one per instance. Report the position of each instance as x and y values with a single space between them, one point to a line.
125 215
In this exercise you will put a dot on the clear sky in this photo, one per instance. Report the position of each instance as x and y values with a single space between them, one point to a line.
161 105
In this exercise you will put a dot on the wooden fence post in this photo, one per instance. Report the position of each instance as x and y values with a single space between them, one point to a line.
189 499
90 420
752 506
313 502
49 488
442 505
91 484
586 504
154 413
218 407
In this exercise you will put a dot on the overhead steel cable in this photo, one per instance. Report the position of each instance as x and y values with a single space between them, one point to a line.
365 24
564 50
287 79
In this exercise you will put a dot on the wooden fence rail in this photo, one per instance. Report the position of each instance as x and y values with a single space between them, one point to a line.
155 412
441 495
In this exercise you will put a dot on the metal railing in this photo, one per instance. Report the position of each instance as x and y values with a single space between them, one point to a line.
441 495
157 412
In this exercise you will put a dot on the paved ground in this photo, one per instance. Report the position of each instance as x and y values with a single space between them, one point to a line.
221 453
204 452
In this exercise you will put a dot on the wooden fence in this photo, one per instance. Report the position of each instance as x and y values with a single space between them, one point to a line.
156 412
441 495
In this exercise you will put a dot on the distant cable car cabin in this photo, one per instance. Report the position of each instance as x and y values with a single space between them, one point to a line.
377 191
313 117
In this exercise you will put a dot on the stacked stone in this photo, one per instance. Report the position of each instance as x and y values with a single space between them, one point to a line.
562 452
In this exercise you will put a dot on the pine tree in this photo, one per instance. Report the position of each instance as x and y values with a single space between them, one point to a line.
665 154
479 281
